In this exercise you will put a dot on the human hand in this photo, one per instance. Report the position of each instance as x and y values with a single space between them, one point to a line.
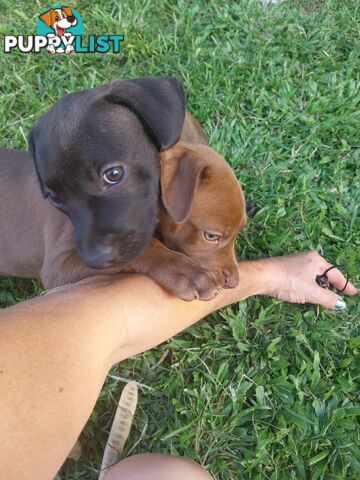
292 279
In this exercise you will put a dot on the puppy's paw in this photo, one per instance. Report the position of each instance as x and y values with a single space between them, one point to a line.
185 278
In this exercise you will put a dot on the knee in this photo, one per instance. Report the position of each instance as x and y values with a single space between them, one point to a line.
165 467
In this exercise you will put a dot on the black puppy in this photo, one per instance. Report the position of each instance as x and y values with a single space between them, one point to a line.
96 155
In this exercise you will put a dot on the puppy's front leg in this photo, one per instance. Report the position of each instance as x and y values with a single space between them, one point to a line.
175 272
172 270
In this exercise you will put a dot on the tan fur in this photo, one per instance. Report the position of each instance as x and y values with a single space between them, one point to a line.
218 205
192 131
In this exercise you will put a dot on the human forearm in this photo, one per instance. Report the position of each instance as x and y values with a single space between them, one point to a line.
290 278
167 315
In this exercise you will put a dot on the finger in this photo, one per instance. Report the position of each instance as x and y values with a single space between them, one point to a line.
328 299
337 279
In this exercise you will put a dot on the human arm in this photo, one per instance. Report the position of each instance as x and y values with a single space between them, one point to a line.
56 350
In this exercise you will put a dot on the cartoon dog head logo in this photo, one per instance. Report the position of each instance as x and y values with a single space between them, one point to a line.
60 21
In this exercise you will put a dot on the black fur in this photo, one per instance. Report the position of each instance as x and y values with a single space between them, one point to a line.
125 123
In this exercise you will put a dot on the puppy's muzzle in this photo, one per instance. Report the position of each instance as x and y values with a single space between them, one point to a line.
231 278
113 250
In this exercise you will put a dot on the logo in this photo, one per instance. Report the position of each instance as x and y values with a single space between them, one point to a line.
60 30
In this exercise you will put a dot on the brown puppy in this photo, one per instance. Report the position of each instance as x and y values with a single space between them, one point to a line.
206 229
197 185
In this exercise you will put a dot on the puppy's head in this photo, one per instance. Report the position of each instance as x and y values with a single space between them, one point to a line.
96 155
205 209
61 18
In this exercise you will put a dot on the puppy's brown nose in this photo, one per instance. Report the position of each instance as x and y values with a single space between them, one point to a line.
231 278
71 18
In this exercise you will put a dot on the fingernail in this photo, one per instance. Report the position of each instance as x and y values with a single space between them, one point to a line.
340 304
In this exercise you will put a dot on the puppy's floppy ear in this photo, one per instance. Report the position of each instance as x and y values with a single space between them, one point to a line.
47 18
68 11
158 102
180 173
31 145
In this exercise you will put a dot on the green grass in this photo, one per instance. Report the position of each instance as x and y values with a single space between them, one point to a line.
262 390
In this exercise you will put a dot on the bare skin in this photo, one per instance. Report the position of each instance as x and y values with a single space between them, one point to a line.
56 350
165 467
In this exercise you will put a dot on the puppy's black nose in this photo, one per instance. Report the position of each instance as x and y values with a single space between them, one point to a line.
71 18
99 260
113 250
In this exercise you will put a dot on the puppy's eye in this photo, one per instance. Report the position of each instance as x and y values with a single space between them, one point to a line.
113 175
57 17
211 236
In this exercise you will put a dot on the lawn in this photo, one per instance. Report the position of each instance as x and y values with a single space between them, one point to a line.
261 390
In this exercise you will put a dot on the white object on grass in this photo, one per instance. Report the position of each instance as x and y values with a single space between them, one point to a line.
120 428
266 2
